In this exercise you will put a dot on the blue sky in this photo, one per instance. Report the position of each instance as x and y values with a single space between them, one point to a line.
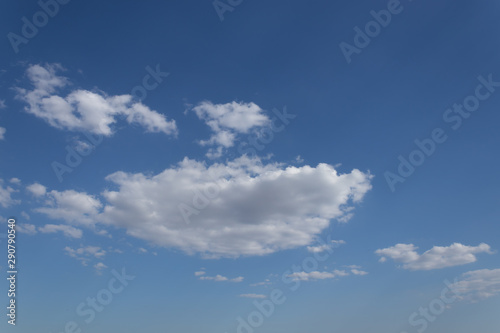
228 166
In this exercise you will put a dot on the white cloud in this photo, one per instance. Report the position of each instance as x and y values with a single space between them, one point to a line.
319 248
67 230
100 266
5 196
37 189
356 271
85 254
435 258
478 285
253 296
142 250
199 273
263 283
227 121
15 181
2 129
71 206
25 228
83 110
325 247
259 209
316 275
25 215
220 278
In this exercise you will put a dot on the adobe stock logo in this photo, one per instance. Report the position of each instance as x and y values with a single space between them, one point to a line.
29 29
454 116
222 6
372 29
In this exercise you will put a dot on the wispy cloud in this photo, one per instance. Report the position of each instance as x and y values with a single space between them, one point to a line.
253 296
477 285
317 275
220 278
67 230
435 258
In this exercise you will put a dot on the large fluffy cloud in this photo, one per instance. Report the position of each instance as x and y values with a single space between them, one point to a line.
242 207
435 258
83 110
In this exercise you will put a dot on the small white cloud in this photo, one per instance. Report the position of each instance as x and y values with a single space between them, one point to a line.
199 273
15 181
67 230
99 267
83 147
253 296
219 278
2 104
435 258
2 133
263 283
356 271
85 254
25 215
37 190
142 250
25 228
318 249
227 121
238 279
316 275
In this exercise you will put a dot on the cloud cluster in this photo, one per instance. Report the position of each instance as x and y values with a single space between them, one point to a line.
227 121
86 253
435 258
83 110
